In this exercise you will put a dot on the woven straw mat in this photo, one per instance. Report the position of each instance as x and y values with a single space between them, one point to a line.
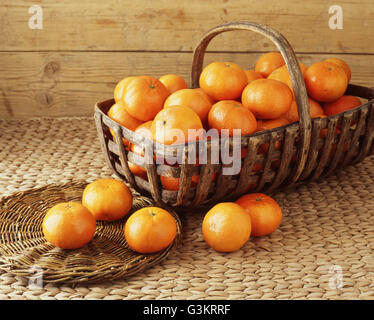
322 250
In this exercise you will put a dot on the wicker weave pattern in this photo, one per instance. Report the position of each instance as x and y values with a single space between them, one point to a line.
328 153
306 154
106 257
326 223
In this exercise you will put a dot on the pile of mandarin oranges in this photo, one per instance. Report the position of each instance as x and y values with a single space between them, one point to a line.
229 97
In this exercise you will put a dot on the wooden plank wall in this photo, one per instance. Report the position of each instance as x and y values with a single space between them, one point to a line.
85 47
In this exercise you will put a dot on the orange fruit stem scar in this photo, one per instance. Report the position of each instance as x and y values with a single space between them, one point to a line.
107 199
150 229
143 97
325 81
265 213
69 225
223 80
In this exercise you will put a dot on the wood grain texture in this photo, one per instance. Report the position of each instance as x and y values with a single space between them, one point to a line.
85 47
58 84
178 25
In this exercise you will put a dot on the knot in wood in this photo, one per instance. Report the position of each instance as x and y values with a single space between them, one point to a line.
51 68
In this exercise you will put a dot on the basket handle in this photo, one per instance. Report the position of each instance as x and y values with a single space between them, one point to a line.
293 67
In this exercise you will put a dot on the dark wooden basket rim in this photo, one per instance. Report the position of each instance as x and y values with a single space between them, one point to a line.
133 137
300 158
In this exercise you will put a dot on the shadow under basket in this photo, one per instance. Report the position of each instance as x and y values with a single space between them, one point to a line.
271 159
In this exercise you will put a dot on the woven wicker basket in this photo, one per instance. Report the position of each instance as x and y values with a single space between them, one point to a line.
306 154
24 251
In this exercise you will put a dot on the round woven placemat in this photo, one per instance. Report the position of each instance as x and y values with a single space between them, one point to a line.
324 248
106 257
